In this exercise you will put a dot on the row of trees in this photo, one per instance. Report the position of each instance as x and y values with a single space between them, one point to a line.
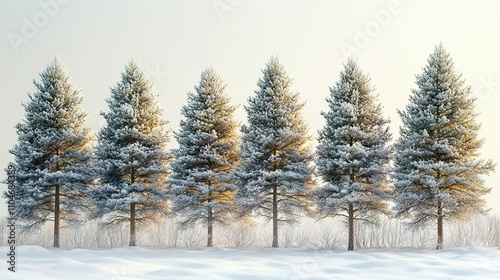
215 174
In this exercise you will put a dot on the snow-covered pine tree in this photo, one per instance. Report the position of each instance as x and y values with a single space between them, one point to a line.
353 153
275 178
437 166
131 155
53 153
202 187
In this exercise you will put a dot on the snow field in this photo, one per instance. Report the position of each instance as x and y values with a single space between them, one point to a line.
34 262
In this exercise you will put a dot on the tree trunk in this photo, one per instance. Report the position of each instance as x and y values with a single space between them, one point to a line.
440 226
57 208
57 216
350 246
210 229
132 210
275 217
132 224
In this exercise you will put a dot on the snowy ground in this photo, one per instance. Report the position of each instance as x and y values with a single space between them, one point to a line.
39 263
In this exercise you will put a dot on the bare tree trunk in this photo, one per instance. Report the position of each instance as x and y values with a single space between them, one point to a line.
275 217
57 208
210 236
132 211
57 216
440 226
350 246
132 224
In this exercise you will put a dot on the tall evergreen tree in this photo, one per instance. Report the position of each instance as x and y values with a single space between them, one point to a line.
131 156
275 178
53 153
353 153
437 166
202 183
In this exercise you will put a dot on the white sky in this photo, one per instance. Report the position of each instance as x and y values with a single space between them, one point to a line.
176 40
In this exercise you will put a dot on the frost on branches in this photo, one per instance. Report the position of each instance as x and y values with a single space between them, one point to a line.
275 178
53 153
131 155
437 166
202 187
353 153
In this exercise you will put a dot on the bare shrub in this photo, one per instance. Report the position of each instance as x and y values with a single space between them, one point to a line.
163 234
493 230
112 236
192 237
293 236
79 237
42 236
241 234
328 235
